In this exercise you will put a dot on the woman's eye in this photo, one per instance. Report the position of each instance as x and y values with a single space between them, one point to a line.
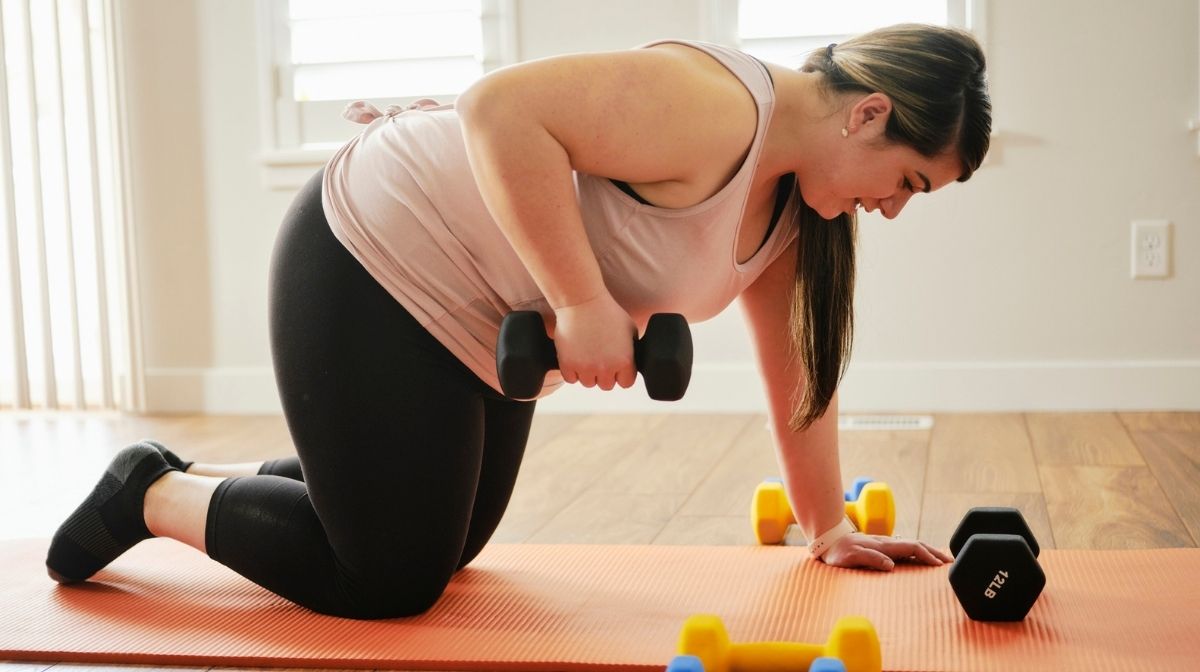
908 185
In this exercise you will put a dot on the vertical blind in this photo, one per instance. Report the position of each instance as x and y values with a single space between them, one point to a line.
64 331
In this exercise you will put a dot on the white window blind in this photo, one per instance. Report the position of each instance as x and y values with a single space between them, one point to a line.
66 340
786 31
383 48
318 55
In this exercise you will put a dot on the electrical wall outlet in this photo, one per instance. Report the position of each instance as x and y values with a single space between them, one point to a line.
1151 248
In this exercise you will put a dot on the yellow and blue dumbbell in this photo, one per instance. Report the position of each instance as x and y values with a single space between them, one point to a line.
870 505
704 646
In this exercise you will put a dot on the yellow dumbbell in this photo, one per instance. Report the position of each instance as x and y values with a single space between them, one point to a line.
853 640
872 512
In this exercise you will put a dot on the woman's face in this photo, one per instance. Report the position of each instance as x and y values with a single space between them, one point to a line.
880 179
866 170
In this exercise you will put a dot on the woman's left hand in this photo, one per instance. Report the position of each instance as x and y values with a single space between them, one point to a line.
881 553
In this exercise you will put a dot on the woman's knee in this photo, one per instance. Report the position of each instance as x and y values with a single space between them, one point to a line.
382 599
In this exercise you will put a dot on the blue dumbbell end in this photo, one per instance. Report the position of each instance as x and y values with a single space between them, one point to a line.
827 665
857 488
689 664
773 479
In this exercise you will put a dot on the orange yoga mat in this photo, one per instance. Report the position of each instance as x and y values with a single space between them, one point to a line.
527 607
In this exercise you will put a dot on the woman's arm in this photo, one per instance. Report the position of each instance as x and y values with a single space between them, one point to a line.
809 459
643 116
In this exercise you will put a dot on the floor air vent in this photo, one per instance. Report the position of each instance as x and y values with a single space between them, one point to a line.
889 423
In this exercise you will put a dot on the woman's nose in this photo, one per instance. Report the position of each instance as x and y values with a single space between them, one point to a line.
892 205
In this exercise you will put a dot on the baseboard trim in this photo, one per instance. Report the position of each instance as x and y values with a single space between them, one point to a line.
1165 385
233 391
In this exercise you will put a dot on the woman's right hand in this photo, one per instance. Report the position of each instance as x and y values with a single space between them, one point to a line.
594 340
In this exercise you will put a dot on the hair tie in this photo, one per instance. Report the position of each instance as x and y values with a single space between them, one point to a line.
829 51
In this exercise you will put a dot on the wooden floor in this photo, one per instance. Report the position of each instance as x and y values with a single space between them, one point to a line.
1083 480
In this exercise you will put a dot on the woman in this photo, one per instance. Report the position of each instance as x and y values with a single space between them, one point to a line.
597 189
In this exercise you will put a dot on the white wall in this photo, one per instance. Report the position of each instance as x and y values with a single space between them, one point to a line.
1011 291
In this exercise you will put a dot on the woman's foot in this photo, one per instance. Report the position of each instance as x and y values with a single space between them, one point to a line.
110 521
171 458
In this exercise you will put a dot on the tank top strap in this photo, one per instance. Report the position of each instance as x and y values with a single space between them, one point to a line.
747 68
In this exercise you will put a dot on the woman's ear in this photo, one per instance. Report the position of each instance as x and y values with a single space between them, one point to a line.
869 116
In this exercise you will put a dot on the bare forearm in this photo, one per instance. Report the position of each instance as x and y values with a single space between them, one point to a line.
812 471
525 178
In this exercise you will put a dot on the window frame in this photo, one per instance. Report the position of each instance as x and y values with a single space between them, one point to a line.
285 163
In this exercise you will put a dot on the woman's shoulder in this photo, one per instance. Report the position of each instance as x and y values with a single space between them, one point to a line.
703 57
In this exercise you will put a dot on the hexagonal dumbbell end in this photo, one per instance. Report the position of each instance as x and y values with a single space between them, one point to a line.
992 520
704 637
855 643
664 356
996 577
770 512
874 510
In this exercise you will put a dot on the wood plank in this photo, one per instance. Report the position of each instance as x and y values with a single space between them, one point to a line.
643 487
675 455
1110 508
898 458
1170 422
1081 439
548 426
942 511
729 487
1174 459
48 464
598 517
706 531
556 474
981 453
215 438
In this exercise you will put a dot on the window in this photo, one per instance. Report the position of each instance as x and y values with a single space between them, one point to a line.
785 31
318 55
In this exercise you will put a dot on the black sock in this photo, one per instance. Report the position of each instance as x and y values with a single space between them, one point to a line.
110 520
288 467
172 459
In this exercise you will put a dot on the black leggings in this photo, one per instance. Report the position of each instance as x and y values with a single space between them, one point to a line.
408 458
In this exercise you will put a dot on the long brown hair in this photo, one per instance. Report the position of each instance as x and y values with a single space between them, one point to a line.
936 79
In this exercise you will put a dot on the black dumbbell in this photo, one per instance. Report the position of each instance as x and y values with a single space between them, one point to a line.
996 575
524 353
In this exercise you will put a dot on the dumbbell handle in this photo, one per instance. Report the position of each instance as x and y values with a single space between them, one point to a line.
773 656
664 381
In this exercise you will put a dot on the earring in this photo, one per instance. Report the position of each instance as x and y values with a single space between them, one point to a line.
845 133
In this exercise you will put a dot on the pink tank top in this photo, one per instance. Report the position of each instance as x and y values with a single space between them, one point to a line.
401 197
